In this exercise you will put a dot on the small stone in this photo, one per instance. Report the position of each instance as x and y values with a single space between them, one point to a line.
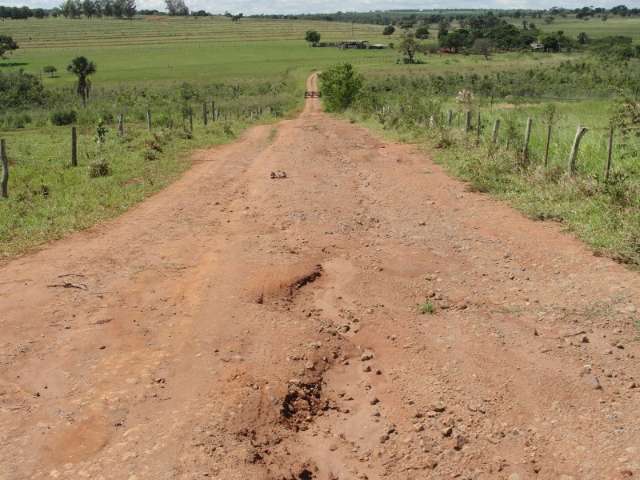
309 365
367 355
633 385
439 407
374 401
584 339
384 438
366 368
460 441
447 432
594 382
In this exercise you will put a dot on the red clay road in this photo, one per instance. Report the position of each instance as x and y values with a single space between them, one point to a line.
238 326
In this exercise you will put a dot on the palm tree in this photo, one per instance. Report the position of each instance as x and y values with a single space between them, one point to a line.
82 68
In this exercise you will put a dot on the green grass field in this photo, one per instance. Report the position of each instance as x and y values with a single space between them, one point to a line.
141 64
595 27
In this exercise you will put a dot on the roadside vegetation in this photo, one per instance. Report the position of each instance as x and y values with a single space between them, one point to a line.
456 117
106 70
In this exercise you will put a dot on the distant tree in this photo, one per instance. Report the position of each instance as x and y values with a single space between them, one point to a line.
583 38
7 44
82 68
50 70
340 86
177 8
389 30
409 47
482 46
443 28
551 43
422 33
456 40
89 8
237 18
129 8
313 37
71 8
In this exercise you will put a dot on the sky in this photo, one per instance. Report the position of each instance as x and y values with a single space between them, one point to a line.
322 6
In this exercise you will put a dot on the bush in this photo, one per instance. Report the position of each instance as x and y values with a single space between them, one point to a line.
340 86
99 168
63 117
422 33
19 89
389 30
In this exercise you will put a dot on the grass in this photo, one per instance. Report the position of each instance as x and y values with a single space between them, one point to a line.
141 64
594 27
427 308
48 198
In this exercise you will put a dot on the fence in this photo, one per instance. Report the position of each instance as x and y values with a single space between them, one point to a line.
211 114
473 126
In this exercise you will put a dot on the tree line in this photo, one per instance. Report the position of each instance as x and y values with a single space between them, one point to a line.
98 8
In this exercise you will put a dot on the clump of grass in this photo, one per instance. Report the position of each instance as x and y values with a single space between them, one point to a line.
427 308
99 168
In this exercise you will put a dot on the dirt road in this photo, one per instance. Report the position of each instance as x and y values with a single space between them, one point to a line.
239 326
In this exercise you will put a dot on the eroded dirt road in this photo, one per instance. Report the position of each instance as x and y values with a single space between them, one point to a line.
240 326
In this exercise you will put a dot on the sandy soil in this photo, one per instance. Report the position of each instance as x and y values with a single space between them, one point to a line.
240 326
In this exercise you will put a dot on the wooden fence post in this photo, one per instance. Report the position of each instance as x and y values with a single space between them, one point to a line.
478 128
527 138
205 115
5 168
121 125
74 147
149 120
213 111
573 156
467 123
609 155
546 146
496 129
190 119
449 117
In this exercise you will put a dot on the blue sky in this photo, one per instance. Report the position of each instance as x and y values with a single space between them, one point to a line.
316 6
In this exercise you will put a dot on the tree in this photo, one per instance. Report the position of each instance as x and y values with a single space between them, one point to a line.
443 28
389 30
82 68
7 44
312 37
456 40
482 46
237 18
71 8
50 70
409 47
89 8
422 33
340 86
177 8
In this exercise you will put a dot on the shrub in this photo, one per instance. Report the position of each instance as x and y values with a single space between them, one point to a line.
99 168
19 89
389 30
340 86
63 117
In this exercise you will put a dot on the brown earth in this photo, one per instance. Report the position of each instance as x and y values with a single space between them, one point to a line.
241 326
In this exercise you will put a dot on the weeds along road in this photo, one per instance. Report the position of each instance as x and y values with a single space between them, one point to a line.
240 326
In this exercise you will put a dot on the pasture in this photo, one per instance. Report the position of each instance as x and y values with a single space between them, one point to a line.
253 70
